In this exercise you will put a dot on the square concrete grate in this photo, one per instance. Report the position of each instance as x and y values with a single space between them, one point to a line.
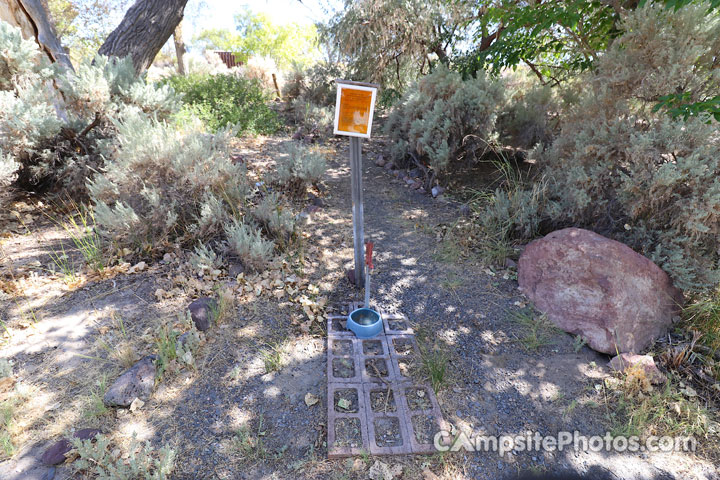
375 403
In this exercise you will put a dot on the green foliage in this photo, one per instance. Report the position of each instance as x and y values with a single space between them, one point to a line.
299 166
227 99
556 39
142 461
625 170
444 118
258 35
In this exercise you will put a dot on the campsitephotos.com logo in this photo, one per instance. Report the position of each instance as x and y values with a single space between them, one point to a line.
575 441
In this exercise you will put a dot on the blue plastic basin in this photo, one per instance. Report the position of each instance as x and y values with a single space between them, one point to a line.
364 323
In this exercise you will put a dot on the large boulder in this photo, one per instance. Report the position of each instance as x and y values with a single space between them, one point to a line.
598 288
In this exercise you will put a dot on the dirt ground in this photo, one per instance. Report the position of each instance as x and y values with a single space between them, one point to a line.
241 412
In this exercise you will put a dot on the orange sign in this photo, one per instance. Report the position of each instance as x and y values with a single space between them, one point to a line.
354 110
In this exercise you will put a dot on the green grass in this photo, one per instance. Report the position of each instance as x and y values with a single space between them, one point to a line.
7 412
663 411
96 407
536 330
435 367
703 316
166 347
249 442
273 357
64 265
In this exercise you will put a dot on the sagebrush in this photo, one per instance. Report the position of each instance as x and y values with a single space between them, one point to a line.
444 119
625 170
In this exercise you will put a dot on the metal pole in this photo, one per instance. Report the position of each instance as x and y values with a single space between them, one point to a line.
357 208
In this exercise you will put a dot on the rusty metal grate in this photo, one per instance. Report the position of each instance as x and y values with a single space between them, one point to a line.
362 416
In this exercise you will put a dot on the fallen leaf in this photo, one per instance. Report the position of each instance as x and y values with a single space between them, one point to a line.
344 403
311 399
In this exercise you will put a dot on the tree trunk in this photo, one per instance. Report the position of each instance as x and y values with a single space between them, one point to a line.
179 48
146 27
34 22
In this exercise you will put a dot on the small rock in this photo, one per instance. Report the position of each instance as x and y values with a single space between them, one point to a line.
409 181
167 258
318 202
465 210
235 269
310 209
311 399
415 173
380 160
350 274
389 166
298 134
136 405
203 312
136 382
510 263
437 190
624 361
416 185
55 454
139 267
422 190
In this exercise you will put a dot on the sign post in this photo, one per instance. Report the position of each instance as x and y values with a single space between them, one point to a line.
353 117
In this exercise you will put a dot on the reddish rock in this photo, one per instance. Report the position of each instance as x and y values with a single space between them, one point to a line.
598 288
624 361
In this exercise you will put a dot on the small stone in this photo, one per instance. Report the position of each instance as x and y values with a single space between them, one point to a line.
416 185
311 399
437 190
235 269
415 173
465 210
136 405
510 263
203 312
136 382
298 134
55 454
380 160
422 190
167 258
409 181
318 202
389 166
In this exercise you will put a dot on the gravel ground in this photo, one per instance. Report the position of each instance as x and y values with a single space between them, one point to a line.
231 418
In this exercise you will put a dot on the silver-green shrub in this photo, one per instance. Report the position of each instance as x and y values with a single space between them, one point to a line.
52 119
299 166
277 220
444 118
161 184
247 243
142 462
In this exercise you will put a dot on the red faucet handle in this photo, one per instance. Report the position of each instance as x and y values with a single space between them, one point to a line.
368 254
